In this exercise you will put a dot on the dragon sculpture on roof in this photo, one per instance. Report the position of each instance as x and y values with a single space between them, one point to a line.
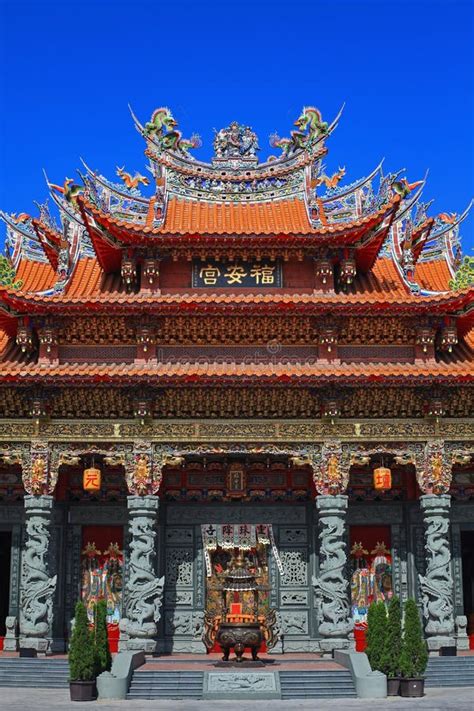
311 128
161 129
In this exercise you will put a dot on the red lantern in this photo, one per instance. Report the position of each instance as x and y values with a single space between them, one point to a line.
382 478
91 479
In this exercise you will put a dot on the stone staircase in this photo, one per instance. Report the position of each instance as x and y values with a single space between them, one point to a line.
294 685
166 685
46 673
317 684
450 671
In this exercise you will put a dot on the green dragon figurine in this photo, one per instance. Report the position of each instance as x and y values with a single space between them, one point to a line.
162 130
311 129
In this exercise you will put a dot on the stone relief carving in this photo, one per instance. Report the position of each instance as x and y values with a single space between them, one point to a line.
144 590
293 535
292 597
331 585
295 567
37 586
188 514
437 584
434 468
244 681
10 642
179 567
294 622
178 623
178 597
179 535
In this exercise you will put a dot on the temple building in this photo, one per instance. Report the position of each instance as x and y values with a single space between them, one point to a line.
228 371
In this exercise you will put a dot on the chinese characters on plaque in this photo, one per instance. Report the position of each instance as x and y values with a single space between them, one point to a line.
211 273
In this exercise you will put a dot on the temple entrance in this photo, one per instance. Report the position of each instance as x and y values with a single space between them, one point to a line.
467 554
5 558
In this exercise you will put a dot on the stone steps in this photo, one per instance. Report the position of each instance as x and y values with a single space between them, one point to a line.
166 685
316 684
450 671
34 673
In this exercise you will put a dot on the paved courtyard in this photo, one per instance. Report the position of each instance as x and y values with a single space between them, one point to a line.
43 700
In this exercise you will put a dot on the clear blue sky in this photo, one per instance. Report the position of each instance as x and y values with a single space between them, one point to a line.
404 69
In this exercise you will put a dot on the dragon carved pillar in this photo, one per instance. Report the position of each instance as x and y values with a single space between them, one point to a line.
436 586
331 476
143 591
37 585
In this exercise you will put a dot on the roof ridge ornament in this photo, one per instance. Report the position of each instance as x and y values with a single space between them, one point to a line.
235 146
161 131
312 130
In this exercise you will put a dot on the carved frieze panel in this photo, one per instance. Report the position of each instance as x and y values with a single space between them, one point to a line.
281 430
116 515
293 535
179 535
294 598
225 513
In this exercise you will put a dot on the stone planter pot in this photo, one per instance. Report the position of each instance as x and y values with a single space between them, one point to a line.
83 690
410 688
393 685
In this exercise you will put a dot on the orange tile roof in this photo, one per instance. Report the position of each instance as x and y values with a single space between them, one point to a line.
36 276
192 371
434 276
383 279
281 217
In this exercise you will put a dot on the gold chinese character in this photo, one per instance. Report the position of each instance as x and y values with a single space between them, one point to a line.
235 274
263 273
209 275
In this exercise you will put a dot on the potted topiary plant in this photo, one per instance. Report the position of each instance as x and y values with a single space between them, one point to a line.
103 659
390 663
376 629
414 653
82 671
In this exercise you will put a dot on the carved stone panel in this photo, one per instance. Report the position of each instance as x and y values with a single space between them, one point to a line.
293 535
179 567
178 536
178 623
295 567
178 597
294 622
294 598
177 514
15 571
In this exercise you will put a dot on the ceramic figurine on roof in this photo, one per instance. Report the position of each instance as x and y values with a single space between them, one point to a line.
161 129
235 142
312 129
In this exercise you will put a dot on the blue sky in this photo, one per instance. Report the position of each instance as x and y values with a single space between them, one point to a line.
404 69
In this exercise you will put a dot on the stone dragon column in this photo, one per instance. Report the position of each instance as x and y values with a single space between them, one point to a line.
331 476
143 590
37 585
436 586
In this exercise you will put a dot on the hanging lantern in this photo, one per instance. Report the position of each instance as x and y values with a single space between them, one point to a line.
91 479
382 478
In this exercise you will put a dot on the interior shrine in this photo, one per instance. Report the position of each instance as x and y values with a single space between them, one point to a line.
235 392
